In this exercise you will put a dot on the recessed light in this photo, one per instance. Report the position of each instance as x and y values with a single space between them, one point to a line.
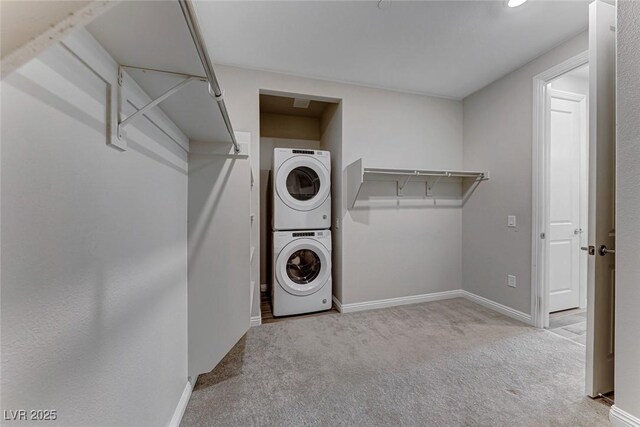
515 3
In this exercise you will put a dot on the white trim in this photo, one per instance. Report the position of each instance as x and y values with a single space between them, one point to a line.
337 303
392 302
502 309
568 96
255 320
435 296
539 191
182 403
620 418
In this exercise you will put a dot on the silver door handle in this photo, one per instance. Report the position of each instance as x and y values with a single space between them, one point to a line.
591 249
602 250
577 231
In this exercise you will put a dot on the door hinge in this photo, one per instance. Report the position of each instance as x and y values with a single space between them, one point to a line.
543 236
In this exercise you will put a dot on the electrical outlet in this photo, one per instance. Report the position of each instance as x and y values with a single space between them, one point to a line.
511 281
511 221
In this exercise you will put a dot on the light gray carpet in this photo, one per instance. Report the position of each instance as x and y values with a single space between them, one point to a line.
445 363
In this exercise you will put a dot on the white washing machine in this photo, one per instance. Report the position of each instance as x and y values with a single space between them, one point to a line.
301 189
301 272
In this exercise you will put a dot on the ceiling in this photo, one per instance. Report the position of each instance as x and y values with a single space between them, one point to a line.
443 48
284 105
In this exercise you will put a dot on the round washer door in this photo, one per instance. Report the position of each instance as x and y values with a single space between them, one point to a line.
303 267
302 183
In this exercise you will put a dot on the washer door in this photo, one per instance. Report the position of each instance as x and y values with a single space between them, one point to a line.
302 183
303 267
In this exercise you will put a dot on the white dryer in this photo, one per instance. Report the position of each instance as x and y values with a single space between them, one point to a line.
301 189
301 272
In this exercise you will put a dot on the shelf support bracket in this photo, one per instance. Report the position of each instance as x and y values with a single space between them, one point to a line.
471 189
433 184
404 183
123 123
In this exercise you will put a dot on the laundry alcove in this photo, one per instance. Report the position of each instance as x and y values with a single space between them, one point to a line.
287 121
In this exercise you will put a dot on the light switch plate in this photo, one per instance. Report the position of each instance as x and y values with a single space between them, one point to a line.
511 280
511 221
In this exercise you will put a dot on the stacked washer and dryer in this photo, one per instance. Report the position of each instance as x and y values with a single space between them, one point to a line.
301 222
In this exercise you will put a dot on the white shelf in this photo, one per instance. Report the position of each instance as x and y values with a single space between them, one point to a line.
357 175
152 43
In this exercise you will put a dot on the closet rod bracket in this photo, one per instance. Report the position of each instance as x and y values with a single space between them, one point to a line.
120 76
218 98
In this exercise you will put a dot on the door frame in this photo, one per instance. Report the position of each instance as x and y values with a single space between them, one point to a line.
540 190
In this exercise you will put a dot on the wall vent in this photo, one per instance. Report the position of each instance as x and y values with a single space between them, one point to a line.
301 103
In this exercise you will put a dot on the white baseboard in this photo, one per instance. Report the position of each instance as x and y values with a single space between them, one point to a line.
182 403
620 418
435 296
392 302
337 303
256 320
503 309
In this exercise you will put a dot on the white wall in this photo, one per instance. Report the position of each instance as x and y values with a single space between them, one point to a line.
94 252
498 138
627 349
331 139
388 129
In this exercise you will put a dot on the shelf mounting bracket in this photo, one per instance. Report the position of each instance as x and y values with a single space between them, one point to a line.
471 189
433 184
404 183
124 122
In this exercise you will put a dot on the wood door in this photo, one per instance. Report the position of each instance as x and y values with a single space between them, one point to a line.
566 138
601 266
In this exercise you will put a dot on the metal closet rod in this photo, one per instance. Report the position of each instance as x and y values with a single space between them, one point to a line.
214 88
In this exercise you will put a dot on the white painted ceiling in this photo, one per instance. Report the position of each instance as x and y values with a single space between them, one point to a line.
444 48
